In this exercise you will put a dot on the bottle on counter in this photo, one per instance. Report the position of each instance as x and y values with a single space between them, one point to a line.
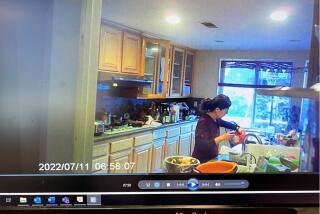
164 116
168 116
173 115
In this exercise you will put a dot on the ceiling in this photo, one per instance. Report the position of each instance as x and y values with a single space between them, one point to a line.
242 24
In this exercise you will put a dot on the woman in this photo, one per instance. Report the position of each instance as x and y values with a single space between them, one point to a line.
207 133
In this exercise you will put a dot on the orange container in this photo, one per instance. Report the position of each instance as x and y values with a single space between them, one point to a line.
217 167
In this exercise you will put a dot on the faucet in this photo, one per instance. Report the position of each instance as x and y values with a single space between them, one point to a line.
246 141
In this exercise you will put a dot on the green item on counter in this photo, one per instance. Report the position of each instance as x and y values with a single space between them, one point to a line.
292 164
274 160
277 168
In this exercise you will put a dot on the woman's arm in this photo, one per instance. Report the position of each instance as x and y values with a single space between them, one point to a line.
228 125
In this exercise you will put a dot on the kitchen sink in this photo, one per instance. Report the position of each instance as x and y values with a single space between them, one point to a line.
272 150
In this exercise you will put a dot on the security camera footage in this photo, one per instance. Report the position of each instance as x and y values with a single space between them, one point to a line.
136 87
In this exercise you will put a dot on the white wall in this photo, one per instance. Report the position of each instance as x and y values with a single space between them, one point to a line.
24 52
39 53
63 70
207 64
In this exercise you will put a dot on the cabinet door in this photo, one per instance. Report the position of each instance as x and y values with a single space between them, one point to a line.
184 144
193 140
131 55
120 162
188 70
172 146
170 70
142 159
110 49
177 72
154 64
158 153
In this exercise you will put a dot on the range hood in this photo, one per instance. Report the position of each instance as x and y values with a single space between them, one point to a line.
311 93
118 81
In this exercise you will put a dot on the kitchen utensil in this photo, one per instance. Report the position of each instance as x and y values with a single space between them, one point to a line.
180 164
217 167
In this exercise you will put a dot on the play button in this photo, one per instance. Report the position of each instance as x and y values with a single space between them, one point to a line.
193 184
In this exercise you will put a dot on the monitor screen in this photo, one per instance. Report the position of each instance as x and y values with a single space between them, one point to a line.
154 100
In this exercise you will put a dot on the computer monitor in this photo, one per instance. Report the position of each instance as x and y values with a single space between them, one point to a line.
132 103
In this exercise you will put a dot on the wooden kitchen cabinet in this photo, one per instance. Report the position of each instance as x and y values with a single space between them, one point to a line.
120 156
184 144
181 72
110 49
119 162
142 157
177 72
155 66
142 153
193 140
131 54
188 72
120 51
158 154
172 146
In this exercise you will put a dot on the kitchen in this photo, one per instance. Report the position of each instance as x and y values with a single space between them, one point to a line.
153 74
137 81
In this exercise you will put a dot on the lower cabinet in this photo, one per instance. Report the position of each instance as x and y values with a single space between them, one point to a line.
193 141
172 146
158 154
119 162
142 157
184 144
144 152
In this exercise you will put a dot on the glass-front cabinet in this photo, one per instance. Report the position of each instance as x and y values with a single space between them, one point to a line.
186 90
177 72
155 66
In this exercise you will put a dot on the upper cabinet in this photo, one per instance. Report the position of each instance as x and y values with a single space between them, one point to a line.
177 72
155 64
120 51
131 56
181 71
188 71
170 68
110 49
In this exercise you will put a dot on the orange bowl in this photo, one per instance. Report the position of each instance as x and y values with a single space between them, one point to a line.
217 167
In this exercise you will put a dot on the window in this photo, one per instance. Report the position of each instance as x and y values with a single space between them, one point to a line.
239 79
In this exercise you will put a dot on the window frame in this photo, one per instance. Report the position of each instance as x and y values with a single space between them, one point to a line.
221 83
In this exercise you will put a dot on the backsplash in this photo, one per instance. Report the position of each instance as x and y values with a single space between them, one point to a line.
107 102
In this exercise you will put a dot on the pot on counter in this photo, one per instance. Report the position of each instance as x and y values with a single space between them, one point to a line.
217 167
180 164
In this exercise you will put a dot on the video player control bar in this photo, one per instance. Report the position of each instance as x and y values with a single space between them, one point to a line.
192 184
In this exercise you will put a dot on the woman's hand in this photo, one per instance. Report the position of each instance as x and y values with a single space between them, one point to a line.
224 137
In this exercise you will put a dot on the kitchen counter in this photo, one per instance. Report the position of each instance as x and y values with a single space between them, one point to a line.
134 130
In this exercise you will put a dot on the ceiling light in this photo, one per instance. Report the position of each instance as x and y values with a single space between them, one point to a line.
279 15
173 19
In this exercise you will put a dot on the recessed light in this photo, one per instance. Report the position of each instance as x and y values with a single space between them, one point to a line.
279 15
173 19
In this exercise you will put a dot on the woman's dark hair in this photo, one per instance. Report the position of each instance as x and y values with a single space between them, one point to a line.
221 101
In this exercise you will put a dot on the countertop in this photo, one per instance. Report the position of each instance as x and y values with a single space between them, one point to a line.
109 134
